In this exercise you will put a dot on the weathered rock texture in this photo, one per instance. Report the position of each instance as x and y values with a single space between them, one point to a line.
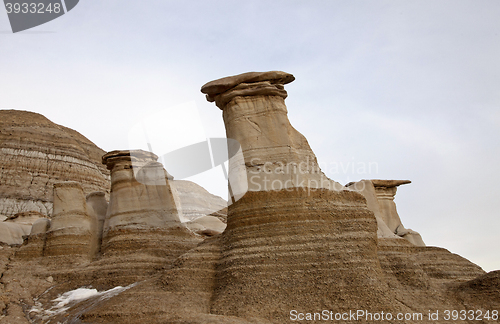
73 230
299 225
379 196
142 230
305 246
276 155
301 247
35 153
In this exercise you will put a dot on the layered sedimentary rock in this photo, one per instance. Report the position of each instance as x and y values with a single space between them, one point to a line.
276 155
303 247
299 247
142 230
35 153
298 226
72 233
379 196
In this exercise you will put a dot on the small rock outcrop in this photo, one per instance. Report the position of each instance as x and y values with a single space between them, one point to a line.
379 196
287 226
206 225
14 228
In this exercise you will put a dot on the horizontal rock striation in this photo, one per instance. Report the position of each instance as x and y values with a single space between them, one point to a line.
287 249
307 245
276 156
142 231
35 153
73 229
296 239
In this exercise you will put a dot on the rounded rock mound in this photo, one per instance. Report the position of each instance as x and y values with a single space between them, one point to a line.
35 153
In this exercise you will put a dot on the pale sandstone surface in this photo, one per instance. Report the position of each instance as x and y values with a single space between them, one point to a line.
35 153
11 233
195 201
307 247
294 248
72 231
206 225
379 195
14 228
276 155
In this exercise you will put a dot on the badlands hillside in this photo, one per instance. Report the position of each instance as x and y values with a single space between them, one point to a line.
110 237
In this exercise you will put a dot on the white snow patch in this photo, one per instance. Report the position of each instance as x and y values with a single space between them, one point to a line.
70 298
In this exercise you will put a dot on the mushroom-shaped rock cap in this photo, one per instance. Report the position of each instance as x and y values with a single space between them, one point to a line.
389 183
219 86
109 159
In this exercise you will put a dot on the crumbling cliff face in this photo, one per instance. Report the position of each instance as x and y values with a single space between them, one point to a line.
295 243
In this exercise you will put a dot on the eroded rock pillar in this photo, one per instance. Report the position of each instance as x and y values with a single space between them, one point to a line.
379 195
142 230
72 228
296 239
385 191
276 155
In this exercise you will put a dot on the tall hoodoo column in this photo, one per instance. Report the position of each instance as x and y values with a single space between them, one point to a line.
304 243
276 155
142 229
72 229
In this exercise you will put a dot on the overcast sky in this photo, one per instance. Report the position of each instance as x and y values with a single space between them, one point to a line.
408 88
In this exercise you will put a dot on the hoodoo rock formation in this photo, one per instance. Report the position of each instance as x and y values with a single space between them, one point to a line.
142 224
294 225
73 229
276 155
295 242
379 196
